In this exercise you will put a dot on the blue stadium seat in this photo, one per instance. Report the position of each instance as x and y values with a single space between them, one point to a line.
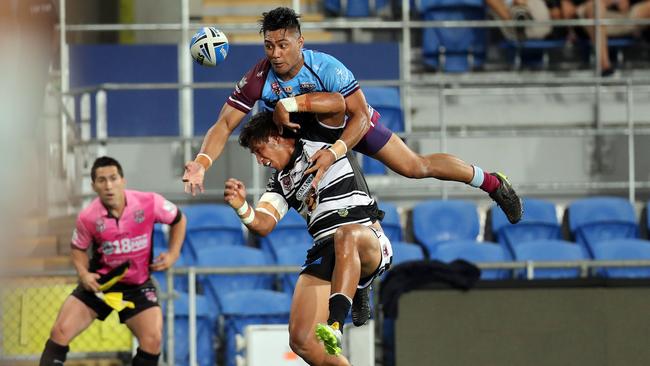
474 251
404 252
217 286
530 53
645 221
291 255
243 308
291 230
386 101
372 166
437 221
596 219
212 225
180 282
458 43
391 223
622 249
539 221
159 239
205 325
549 250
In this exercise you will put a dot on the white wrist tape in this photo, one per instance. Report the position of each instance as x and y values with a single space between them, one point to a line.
206 156
248 219
290 104
242 210
344 145
336 156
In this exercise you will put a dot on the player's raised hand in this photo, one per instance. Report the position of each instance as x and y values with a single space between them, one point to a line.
320 162
234 193
89 281
193 178
281 119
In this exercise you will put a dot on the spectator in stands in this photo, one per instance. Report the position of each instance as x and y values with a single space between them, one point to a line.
525 10
609 9
289 71
350 248
118 225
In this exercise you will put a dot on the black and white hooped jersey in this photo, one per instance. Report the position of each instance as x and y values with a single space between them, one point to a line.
342 196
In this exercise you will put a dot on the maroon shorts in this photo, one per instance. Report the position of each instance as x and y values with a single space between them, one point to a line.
376 137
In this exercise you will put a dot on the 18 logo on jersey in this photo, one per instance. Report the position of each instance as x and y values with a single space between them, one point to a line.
125 245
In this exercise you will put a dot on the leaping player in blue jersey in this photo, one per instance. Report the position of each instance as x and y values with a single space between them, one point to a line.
283 81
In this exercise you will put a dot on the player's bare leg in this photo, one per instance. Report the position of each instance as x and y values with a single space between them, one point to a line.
73 318
308 308
147 328
402 160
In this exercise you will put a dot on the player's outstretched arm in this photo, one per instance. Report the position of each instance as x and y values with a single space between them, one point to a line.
330 108
213 144
260 220
356 127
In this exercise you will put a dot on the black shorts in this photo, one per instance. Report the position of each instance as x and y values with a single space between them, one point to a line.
321 259
143 297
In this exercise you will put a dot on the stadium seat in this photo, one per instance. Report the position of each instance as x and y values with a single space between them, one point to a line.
205 325
243 308
645 221
596 219
539 221
212 225
372 166
474 251
549 250
449 49
159 239
217 286
386 101
391 223
291 230
622 249
291 255
437 221
530 53
180 282
404 252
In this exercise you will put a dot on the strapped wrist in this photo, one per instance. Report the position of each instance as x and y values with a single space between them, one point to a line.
290 104
204 159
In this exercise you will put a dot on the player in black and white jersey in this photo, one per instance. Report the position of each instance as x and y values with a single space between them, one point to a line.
349 249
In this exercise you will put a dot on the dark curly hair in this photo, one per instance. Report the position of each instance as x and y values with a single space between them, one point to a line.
279 18
260 128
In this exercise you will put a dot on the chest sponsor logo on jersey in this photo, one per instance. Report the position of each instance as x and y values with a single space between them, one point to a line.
307 87
288 89
275 87
138 216
100 226
125 245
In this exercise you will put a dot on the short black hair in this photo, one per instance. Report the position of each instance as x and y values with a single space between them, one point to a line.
104 161
279 18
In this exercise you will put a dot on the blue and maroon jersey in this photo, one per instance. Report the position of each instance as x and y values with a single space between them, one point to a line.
320 73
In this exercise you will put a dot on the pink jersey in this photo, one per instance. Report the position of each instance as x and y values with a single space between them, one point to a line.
128 238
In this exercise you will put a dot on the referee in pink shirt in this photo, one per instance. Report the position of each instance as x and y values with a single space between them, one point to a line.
117 227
